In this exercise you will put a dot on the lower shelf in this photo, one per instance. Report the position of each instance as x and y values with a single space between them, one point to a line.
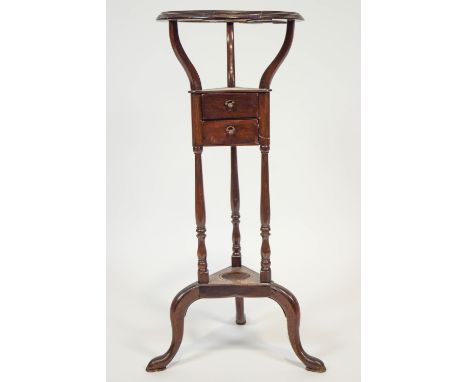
235 275
235 282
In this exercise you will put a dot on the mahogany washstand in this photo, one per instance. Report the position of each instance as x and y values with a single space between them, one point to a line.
232 117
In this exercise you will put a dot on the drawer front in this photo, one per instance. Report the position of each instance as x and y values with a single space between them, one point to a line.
230 132
229 105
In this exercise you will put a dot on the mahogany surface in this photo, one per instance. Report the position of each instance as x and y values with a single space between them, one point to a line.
230 132
236 259
229 105
232 117
230 16
230 90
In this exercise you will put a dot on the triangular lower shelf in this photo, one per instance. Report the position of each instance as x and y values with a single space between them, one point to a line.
235 276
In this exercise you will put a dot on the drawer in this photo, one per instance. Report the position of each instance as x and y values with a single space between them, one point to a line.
229 105
230 132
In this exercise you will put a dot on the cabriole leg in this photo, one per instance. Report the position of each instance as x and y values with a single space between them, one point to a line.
179 308
291 310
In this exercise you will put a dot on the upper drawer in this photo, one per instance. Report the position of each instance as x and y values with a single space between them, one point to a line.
229 105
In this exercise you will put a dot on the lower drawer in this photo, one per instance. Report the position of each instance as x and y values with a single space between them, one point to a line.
230 132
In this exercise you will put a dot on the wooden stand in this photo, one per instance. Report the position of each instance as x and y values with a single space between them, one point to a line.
232 117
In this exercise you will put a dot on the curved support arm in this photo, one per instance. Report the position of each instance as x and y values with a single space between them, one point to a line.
194 78
231 65
275 64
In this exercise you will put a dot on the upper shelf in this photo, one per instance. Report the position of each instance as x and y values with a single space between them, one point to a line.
231 16
231 90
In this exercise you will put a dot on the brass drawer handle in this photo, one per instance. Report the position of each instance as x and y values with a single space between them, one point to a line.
230 129
229 104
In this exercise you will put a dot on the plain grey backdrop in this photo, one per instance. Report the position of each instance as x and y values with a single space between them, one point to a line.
314 182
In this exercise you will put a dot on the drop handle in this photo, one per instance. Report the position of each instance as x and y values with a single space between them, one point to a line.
230 130
229 104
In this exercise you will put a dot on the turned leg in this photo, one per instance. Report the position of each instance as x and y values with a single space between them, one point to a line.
200 217
240 314
265 271
235 207
235 196
290 306
236 260
179 308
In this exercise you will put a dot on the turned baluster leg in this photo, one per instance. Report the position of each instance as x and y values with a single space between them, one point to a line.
235 199
264 138
265 271
200 217
235 216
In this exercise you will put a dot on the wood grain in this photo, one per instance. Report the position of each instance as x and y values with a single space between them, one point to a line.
230 16
231 62
179 307
265 270
235 208
235 89
242 105
216 132
200 217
